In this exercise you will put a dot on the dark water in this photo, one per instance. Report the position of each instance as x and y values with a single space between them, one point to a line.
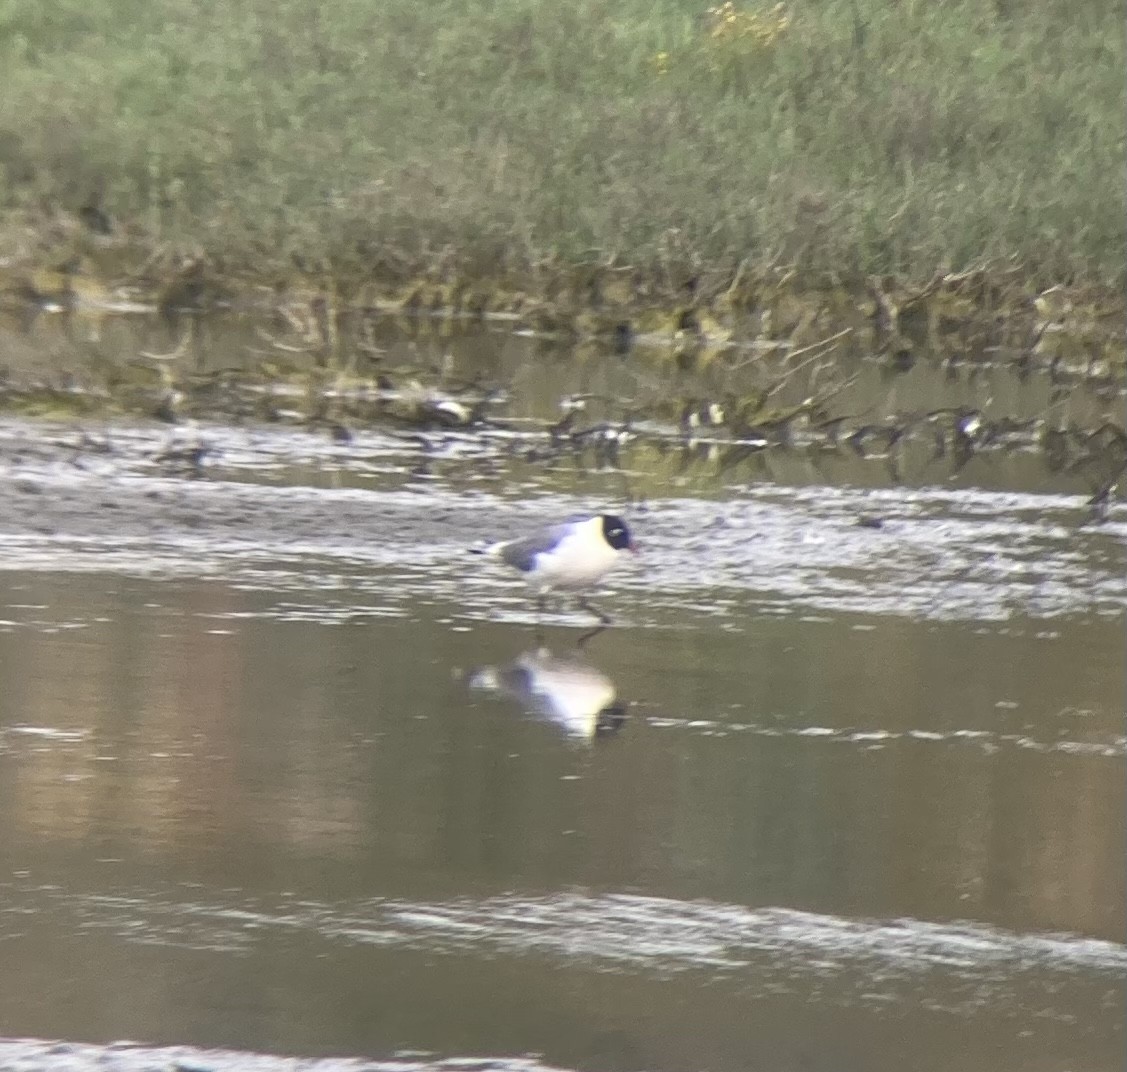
809 841
280 772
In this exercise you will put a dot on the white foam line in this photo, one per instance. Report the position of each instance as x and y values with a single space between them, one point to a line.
638 929
34 1055
49 733
1114 748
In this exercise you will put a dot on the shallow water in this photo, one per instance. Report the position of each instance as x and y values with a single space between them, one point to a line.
281 770
230 824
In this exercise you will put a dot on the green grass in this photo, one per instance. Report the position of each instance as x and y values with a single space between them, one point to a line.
866 137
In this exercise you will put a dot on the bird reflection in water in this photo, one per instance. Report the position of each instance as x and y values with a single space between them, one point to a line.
566 691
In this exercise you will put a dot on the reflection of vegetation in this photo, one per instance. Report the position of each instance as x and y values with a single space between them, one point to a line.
510 139
678 409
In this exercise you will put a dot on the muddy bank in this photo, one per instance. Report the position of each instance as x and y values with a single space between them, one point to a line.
278 510
426 396
139 483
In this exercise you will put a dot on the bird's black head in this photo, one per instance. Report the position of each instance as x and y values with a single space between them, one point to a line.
616 533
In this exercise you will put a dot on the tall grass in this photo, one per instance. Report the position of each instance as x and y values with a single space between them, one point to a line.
855 136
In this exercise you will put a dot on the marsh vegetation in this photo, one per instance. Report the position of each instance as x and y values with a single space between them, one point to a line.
521 140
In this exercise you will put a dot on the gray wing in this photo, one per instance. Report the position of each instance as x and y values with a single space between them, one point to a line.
521 554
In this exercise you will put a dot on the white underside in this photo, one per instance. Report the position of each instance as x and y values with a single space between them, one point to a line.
579 560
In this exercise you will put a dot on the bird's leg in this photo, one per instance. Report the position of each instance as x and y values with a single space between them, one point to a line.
604 621
541 603
590 635
590 608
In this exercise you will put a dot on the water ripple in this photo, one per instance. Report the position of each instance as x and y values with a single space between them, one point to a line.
962 965
986 740
36 1055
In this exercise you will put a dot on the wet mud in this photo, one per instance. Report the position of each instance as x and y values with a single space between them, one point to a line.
280 504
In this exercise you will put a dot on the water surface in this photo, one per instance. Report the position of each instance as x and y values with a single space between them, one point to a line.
282 771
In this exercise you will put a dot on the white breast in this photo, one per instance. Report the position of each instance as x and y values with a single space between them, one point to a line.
581 558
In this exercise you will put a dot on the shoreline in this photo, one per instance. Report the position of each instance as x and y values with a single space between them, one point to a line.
998 311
